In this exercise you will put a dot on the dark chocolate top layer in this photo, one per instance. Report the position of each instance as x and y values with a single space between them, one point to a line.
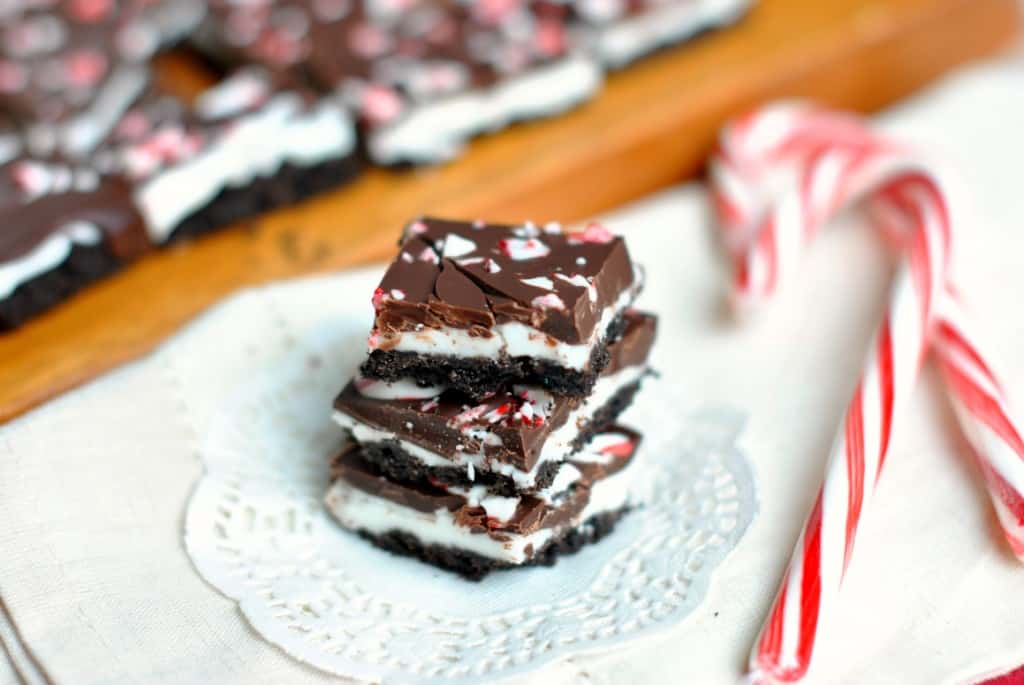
532 513
521 418
38 198
384 56
471 275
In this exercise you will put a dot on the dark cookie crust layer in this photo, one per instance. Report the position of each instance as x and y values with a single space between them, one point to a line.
289 185
476 377
474 566
85 264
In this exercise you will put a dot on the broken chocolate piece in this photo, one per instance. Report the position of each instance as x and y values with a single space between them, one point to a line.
528 305
64 227
422 76
508 439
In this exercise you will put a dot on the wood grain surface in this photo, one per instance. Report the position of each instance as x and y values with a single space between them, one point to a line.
651 126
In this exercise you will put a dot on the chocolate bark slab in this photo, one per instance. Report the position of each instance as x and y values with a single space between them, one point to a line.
69 69
64 226
477 306
253 142
461 531
422 76
505 440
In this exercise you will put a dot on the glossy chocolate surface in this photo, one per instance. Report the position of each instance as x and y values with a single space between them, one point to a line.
475 275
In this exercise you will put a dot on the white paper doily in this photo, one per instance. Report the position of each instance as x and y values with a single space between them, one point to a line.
256 530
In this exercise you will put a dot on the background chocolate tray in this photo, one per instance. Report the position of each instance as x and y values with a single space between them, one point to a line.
652 125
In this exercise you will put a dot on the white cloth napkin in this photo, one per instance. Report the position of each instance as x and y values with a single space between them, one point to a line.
93 485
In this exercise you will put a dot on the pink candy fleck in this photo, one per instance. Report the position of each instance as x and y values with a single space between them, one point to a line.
368 41
550 38
278 47
493 12
132 126
377 299
31 177
12 77
428 255
519 250
549 301
380 104
593 233
90 11
85 67
623 448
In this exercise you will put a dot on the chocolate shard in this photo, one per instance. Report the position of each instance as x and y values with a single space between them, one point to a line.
507 304
457 299
559 283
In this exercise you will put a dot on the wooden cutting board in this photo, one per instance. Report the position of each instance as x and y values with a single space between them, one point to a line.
652 126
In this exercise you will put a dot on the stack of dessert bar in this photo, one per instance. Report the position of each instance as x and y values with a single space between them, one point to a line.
482 424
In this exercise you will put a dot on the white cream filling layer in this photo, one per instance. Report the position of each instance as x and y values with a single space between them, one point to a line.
511 339
47 255
255 145
436 131
359 510
556 448
627 38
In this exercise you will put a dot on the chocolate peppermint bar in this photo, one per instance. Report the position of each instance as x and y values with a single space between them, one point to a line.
422 75
475 307
618 32
252 142
512 441
471 532
64 226
69 69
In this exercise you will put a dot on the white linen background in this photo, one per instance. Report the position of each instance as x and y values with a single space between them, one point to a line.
93 489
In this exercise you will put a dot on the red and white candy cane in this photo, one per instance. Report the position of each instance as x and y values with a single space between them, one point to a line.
978 397
780 174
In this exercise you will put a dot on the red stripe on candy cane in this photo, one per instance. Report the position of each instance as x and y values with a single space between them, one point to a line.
854 470
886 392
810 588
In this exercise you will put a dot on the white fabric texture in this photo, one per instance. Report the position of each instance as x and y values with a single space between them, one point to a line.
93 486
